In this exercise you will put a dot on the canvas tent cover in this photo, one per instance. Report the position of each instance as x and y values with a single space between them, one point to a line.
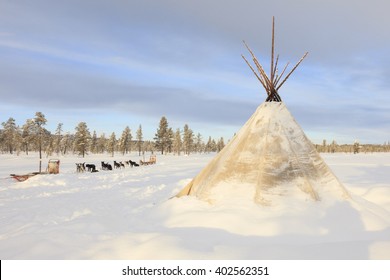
270 155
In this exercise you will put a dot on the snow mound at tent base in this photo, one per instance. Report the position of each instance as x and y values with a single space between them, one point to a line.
237 212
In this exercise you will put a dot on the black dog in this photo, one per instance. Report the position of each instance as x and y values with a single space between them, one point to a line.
116 165
91 167
133 163
106 166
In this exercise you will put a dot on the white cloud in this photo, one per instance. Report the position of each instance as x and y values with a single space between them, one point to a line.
170 55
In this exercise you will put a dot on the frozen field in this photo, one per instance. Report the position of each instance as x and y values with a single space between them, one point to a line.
127 214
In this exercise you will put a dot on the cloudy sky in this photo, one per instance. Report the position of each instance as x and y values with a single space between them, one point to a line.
113 63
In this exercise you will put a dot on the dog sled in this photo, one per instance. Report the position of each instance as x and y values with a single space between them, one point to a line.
24 177
53 167
152 160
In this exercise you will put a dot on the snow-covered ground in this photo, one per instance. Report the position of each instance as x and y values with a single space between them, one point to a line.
127 214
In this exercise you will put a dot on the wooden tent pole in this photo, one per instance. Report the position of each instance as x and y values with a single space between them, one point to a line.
295 67
281 74
275 70
260 68
271 83
273 49
254 72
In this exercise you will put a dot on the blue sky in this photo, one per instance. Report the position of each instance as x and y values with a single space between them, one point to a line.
113 63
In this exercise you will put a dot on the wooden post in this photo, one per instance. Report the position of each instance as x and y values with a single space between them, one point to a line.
261 70
281 74
254 72
273 49
295 67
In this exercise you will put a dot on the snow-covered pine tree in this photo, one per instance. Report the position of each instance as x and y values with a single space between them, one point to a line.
49 146
162 135
139 139
27 135
57 142
111 144
220 144
102 143
188 139
125 141
208 147
171 136
213 145
82 139
66 143
199 143
9 133
40 121
177 143
94 143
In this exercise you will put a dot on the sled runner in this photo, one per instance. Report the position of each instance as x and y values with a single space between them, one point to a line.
24 177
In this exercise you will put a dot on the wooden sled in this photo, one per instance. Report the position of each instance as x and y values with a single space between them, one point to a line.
152 160
24 177
52 168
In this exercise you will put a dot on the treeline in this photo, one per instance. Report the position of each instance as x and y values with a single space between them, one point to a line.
32 136
355 147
